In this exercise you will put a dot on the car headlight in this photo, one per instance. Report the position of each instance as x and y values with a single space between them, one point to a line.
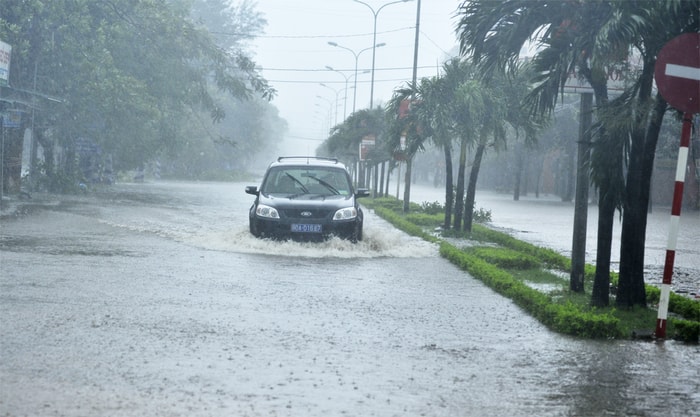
267 211
345 214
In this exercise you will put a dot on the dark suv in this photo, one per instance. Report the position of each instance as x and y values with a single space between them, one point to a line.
306 198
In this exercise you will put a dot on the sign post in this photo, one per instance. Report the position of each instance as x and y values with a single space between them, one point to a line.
677 76
5 54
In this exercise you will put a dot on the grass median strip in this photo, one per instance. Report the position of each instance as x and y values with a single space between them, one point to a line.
536 279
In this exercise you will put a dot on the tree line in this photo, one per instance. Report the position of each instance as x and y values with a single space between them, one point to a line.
137 80
489 95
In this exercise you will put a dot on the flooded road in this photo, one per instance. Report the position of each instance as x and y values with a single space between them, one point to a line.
154 300
548 222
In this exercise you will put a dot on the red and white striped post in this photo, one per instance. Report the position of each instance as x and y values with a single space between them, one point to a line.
673 227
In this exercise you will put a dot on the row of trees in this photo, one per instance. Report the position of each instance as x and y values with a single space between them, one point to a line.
489 95
140 79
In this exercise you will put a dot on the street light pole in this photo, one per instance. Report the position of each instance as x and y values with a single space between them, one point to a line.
347 79
374 41
356 55
330 110
336 99
345 99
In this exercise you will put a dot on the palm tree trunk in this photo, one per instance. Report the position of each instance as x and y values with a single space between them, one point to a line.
459 198
407 185
449 196
471 190
606 219
631 290
519 162
380 189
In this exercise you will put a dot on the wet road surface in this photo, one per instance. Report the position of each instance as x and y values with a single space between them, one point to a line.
155 301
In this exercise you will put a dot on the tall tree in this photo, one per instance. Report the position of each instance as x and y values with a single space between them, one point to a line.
436 110
128 73
345 138
406 125
489 122
591 38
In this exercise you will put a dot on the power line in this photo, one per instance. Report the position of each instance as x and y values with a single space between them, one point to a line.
248 35
341 69
334 82
303 138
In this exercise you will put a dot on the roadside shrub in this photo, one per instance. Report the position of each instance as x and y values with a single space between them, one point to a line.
547 256
689 309
570 319
425 219
481 215
573 317
432 208
686 307
401 223
565 318
389 203
685 330
505 258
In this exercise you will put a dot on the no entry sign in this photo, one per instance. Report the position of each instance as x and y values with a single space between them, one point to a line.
677 75
677 72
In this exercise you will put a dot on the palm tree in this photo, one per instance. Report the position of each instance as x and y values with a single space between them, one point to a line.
502 101
434 110
591 38
488 118
409 125
458 96
344 139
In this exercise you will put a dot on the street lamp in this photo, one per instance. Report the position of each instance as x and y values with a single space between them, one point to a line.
347 78
325 119
357 55
330 109
374 40
336 99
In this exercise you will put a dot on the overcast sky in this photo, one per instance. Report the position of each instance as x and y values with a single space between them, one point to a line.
294 53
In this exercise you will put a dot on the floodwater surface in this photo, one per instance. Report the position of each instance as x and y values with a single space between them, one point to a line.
154 300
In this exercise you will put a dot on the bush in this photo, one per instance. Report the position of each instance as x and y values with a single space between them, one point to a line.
481 216
401 223
686 307
432 208
505 258
685 330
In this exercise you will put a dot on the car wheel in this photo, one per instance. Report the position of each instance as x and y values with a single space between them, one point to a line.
254 229
357 236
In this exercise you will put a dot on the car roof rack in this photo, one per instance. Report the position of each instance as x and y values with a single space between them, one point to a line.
308 158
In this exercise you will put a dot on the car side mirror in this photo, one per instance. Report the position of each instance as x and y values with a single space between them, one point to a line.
252 189
362 192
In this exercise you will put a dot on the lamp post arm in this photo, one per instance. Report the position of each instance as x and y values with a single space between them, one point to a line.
374 41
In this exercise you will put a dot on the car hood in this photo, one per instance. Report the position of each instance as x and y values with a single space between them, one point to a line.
308 200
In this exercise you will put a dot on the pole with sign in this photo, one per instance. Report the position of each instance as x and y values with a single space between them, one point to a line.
5 54
677 76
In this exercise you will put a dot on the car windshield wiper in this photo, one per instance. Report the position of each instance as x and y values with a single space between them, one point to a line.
325 184
304 189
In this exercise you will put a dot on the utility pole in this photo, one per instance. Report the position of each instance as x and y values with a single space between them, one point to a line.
409 159
578 247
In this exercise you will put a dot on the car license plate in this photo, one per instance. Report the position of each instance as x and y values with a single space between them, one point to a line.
306 228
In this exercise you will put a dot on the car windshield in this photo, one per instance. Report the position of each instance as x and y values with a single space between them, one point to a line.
295 181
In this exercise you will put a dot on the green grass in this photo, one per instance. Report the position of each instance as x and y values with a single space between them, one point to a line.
537 280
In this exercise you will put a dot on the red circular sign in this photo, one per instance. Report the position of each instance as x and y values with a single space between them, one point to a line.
677 72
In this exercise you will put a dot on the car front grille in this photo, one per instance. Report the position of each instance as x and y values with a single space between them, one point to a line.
306 213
